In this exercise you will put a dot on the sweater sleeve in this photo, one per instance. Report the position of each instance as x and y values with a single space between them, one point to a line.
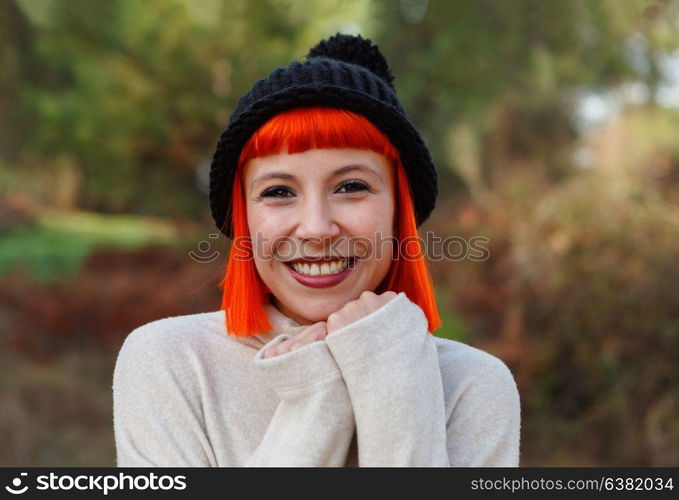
392 370
157 410
390 365
484 423
313 424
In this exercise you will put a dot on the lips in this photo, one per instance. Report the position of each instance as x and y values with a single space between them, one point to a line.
320 258
322 281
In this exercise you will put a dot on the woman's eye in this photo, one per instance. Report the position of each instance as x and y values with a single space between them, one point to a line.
275 192
282 191
354 186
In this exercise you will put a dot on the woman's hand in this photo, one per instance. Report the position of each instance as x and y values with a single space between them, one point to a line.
310 334
350 312
356 309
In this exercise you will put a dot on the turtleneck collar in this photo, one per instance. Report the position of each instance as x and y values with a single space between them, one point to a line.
280 323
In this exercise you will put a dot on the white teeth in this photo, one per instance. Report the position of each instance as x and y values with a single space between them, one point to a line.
313 269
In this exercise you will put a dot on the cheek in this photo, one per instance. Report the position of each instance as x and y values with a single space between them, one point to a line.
372 218
269 219
263 231
371 232
271 240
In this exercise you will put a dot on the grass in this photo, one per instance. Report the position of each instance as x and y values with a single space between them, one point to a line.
53 248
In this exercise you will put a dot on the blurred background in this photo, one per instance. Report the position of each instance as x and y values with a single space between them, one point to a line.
554 126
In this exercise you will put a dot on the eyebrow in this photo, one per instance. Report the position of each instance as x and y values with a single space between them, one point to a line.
339 171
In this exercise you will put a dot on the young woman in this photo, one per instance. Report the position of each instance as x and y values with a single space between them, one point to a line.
322 353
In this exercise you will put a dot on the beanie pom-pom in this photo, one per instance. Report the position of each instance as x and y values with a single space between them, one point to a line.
355 50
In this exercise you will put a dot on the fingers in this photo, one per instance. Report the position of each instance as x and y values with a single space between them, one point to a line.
312 333
372 297
315 332
351 311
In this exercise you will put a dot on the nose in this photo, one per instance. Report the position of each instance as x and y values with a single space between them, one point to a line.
316 221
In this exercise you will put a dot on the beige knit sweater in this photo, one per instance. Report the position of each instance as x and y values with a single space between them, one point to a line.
380 391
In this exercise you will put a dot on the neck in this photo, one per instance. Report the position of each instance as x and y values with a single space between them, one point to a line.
287 312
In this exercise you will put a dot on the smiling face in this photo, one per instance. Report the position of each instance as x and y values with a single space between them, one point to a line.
322 202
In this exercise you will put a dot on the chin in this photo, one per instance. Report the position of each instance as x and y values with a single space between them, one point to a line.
318 308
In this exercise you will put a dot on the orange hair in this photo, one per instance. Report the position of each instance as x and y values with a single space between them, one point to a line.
317 127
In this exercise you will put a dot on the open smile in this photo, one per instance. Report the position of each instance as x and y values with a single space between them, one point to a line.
321 275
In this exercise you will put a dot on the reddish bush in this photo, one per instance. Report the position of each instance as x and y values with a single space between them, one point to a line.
113 292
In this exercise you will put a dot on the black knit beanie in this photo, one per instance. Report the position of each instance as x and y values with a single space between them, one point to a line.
344 71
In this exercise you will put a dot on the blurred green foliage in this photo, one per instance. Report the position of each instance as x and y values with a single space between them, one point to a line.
135 94
109 113
53 248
